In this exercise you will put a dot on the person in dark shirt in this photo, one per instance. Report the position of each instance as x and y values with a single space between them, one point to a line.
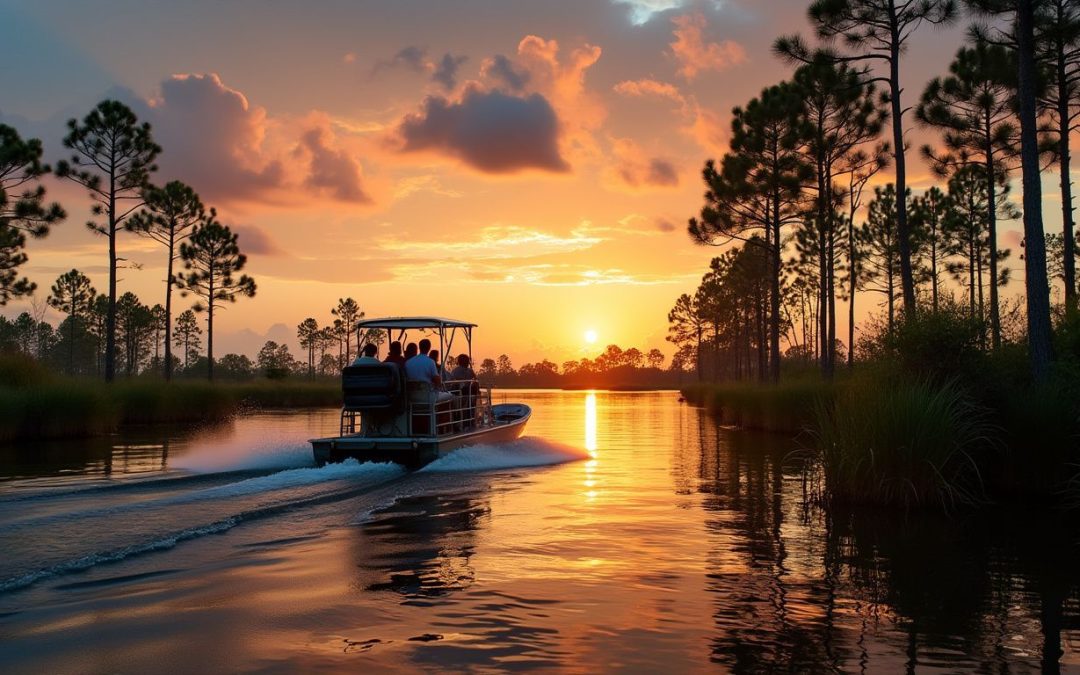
395 354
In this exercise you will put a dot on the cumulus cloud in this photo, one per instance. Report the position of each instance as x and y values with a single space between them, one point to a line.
527 112
229 150
412 58
254 240
694 54
502 71
213 138
443 71
490 131
331 169
635 170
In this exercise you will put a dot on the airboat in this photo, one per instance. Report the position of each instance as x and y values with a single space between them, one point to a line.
386 418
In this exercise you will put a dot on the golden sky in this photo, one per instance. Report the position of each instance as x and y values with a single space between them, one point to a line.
528 166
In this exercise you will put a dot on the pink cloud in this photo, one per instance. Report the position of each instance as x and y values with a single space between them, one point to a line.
695 55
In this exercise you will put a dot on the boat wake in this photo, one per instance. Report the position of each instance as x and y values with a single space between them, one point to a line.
147 526
100 526
524 452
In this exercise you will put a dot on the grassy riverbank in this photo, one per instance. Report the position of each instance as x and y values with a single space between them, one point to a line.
36 405
883 437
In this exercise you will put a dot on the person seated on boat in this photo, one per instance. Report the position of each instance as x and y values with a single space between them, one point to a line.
434 356
463 371
395 354
421 370
411 350
368 355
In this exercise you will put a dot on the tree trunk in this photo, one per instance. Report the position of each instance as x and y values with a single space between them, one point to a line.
210 328
907 278
991 191
774 297
110 317
168 306
1038 292
933 259
71 339
1069 262
831 298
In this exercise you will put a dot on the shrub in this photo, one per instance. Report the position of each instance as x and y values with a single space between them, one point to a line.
942 345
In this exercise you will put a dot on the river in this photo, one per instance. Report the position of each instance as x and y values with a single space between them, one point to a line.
626 532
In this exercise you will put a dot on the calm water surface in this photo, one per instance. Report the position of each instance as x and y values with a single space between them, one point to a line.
627 533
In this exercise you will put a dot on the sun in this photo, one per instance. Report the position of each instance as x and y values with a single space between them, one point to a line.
590 336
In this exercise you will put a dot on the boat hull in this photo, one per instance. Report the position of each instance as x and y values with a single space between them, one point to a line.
418 451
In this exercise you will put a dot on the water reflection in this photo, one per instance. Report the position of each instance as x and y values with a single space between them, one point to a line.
421 546
798 587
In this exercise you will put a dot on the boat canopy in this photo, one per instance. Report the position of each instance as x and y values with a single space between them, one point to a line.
412 323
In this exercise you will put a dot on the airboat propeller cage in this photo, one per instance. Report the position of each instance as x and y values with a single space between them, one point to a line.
447 329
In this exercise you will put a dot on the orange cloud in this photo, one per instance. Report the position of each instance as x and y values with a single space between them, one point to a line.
695 55
490 131
531 111
700 123
230 150
633 169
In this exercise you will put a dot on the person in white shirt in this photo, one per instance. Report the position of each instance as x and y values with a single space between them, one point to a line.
421 368
367 356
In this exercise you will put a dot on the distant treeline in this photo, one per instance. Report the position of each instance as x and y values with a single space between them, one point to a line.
614 368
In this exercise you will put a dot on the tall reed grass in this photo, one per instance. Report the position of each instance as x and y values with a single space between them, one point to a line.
906 443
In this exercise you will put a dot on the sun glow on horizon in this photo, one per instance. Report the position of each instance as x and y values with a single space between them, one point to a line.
591 336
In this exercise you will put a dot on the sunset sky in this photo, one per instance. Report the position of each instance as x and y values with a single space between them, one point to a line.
529 166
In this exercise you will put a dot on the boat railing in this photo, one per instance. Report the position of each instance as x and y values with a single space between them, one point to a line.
467 408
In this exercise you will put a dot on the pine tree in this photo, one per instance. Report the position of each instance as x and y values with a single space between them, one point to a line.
170 215
72 295
113 158
186 335
212 257
876 32
974 108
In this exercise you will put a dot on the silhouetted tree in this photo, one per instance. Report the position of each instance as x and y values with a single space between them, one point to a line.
113 158
12 256
186 336
308 333
974 108
655 358
22 196
170 215
931 214
1017 31
758 188
135 328
876 32
212 257
686 328
880 243
840 114
349 312
22 208
72 295
1058 46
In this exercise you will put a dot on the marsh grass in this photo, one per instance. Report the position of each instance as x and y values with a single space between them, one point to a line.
37 406
905 443
787 407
